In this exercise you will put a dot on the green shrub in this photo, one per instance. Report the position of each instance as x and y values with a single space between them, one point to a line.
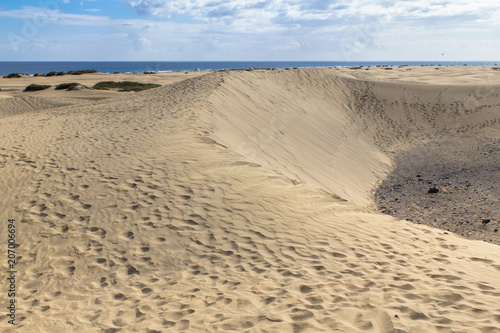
12 76
83 71
36 87
80 86
66 86
124 86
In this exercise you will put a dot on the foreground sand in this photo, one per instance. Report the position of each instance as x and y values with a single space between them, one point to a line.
239 201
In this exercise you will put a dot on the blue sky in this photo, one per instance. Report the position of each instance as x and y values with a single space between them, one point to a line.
191 30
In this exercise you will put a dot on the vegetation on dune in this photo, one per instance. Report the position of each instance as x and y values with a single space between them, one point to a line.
79 72
36 87
67 86
13 75
51 74
55 74
83 71
124 86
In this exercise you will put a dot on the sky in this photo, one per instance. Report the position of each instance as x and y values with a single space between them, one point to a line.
241 30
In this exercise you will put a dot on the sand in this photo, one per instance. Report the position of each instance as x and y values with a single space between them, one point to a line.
14 87
240 202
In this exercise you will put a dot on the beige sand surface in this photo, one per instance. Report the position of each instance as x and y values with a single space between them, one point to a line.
478 75
240 202
14 87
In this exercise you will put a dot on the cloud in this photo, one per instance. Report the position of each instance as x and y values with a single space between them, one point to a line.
294 12
346 29
140 42
222 12
199 9
270 29
42 16
293 46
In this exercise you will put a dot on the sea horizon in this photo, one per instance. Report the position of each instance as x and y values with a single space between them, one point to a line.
41 67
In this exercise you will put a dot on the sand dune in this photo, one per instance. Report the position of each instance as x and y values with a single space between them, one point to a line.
239 201
330 130
28 104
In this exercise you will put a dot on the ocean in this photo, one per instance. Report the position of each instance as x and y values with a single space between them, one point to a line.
31 68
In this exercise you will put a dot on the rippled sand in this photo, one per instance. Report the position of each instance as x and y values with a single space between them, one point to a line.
240 202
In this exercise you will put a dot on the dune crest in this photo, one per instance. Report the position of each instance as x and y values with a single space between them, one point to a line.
232 202
331 130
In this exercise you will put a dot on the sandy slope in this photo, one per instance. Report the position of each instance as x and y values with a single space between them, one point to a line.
329 130
237 202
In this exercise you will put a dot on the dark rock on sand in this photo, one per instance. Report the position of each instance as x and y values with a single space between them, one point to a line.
433 190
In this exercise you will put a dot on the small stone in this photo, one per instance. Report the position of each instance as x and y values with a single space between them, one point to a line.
433 190
486 221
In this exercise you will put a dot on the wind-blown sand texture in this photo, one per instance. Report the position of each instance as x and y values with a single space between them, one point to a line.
241 202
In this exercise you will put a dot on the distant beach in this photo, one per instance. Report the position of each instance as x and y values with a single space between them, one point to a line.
33 67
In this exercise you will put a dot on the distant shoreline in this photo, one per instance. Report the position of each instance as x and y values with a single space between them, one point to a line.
32 68
92 71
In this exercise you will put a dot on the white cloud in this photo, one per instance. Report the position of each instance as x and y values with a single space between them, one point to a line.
415 8
140 42
346 19
289 47
41 16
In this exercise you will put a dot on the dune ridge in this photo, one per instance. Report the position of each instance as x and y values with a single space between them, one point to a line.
235 202
28 104
332 130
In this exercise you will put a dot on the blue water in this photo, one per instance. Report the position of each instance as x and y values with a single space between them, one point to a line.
31 68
